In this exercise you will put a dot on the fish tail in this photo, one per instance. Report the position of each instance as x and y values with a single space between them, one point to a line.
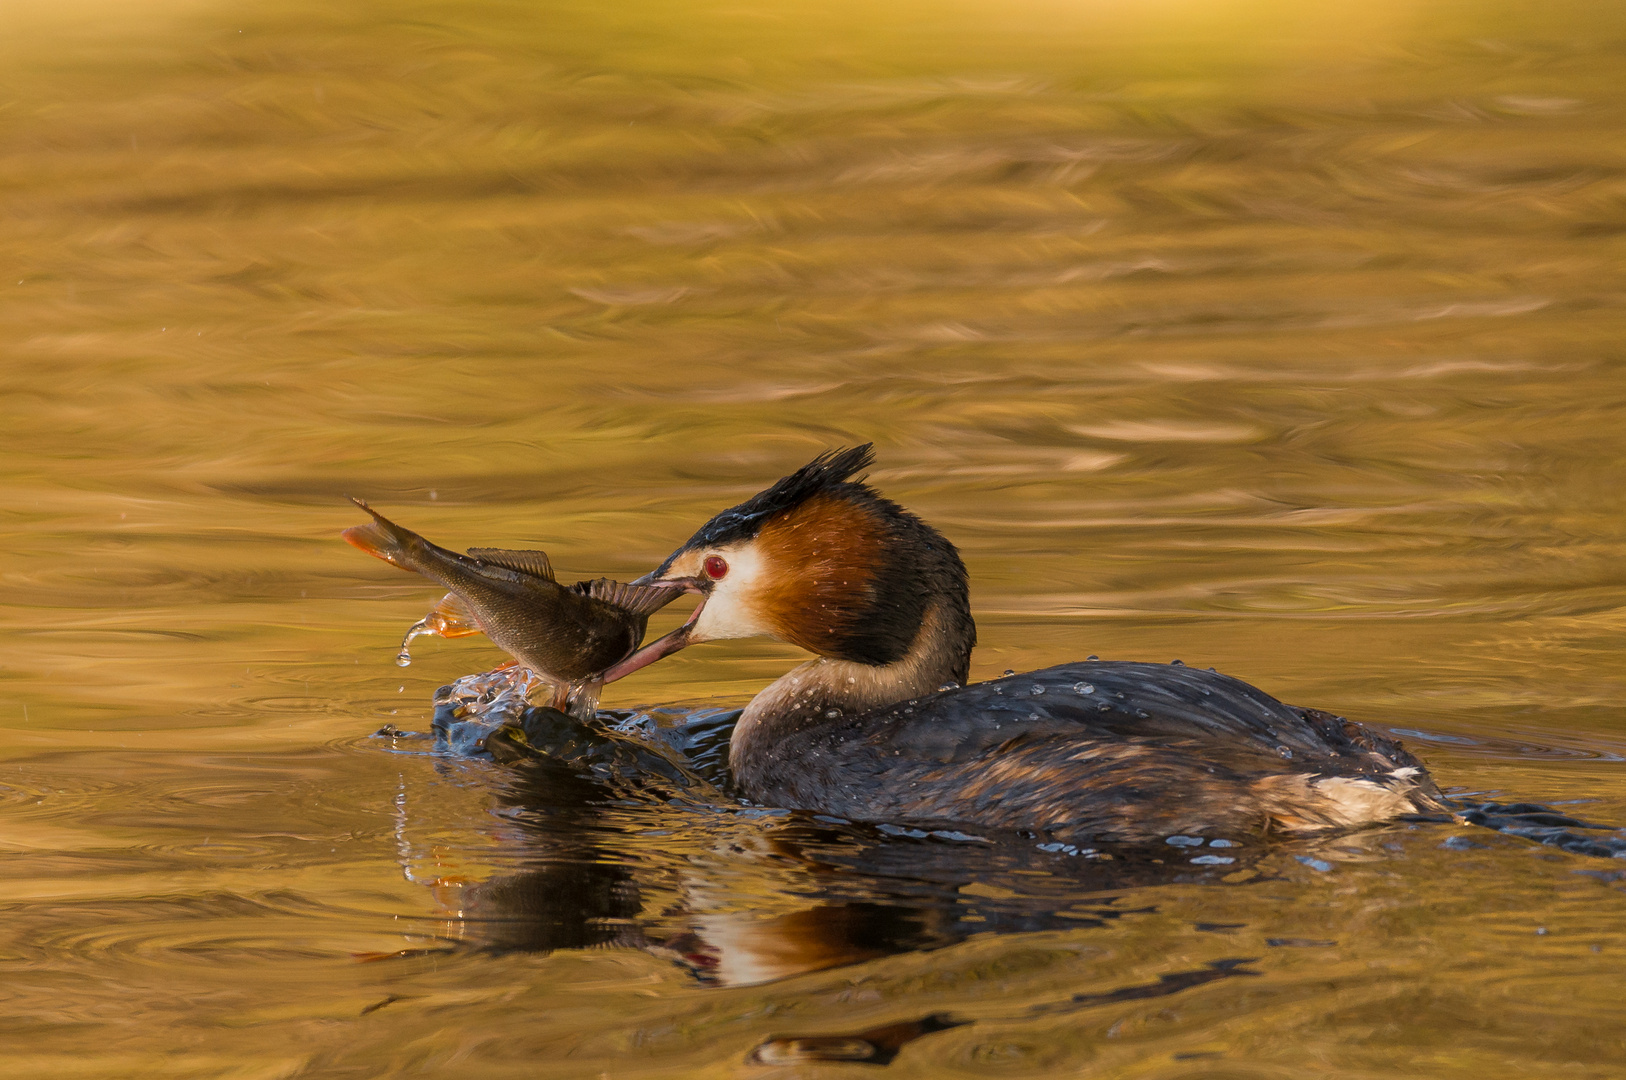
382 538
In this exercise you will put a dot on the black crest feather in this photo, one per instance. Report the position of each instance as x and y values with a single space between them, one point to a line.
916 569
744 521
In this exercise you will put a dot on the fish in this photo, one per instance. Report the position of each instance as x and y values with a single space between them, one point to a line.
566 635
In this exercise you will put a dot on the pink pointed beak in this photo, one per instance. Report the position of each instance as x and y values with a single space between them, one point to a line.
662 646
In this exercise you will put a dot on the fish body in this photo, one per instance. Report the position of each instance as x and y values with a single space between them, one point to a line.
565 634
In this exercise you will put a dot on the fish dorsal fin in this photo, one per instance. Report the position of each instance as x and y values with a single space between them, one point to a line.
637 599
526 562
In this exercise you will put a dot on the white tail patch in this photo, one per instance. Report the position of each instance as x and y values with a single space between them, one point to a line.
1308 802
1349 801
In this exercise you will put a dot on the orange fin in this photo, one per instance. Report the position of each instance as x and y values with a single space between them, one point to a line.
382 538
638 599
451 618
526 562
371 539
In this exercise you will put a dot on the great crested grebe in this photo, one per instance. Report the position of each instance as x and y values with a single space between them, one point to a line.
879 728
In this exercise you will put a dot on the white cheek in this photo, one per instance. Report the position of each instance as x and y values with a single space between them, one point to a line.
730 611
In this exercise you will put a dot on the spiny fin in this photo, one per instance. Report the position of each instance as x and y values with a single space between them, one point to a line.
637 599
526 562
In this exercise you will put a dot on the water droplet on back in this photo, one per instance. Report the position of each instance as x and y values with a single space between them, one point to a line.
948 686
1092 656
1083 688
1177 663
1007 673
1036 690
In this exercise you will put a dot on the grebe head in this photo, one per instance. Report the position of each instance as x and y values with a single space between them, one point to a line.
818 560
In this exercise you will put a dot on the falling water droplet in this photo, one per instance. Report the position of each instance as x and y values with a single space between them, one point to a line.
404 659
1083 688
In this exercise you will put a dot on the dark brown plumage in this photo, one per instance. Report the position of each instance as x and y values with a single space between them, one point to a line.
1092 750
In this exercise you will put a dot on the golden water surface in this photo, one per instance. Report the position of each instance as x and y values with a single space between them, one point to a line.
1276 337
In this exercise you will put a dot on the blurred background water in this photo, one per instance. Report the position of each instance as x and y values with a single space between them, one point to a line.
1279 338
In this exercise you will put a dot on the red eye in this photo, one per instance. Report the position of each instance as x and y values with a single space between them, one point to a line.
715 567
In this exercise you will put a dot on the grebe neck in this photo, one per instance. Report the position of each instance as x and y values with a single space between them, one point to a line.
827 689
